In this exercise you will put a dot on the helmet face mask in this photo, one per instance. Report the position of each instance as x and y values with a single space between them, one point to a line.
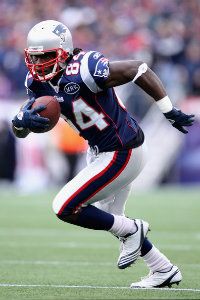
44 66
49 44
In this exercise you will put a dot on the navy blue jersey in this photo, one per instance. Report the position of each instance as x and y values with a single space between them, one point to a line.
95 111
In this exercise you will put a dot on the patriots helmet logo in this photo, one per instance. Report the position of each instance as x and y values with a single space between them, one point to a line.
60 29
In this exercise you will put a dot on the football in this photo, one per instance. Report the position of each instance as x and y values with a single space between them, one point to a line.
52 111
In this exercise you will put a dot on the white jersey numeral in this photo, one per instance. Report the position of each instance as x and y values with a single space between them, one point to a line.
94 118
72 69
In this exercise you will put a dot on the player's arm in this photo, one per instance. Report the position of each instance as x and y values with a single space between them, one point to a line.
122 72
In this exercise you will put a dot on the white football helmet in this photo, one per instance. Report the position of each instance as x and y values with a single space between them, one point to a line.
49 44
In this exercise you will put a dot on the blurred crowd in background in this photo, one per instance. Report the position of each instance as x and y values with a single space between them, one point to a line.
164 34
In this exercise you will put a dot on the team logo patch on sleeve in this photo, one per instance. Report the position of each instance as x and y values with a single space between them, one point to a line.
102 69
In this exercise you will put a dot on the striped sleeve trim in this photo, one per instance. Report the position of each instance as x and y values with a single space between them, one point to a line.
86 76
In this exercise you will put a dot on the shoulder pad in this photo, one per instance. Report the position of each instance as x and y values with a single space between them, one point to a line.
94 70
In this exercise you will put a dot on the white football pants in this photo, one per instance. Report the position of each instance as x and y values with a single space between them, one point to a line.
106 181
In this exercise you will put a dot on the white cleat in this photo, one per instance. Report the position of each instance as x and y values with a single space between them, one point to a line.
132 244
159 279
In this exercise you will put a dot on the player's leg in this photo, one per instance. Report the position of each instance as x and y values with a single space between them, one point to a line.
105 177
119 203
115 204
162 271
109 172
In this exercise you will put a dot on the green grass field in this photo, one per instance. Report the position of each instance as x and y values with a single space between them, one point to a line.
44 258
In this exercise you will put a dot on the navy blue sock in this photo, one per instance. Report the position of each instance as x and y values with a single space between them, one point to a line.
90 217
146 247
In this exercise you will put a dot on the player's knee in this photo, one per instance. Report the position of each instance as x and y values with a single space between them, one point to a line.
58 204
65 214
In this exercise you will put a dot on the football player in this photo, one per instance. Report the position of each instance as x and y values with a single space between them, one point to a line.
84 82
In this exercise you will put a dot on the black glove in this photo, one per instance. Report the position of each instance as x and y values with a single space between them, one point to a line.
178 119
29 118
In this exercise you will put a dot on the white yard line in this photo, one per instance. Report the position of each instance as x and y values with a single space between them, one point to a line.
68 245
94 245
70 263
92 287
55 262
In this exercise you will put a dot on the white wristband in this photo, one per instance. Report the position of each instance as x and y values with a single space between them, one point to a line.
165 104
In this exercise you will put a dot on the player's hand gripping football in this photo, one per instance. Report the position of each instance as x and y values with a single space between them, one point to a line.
178 119
29 118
